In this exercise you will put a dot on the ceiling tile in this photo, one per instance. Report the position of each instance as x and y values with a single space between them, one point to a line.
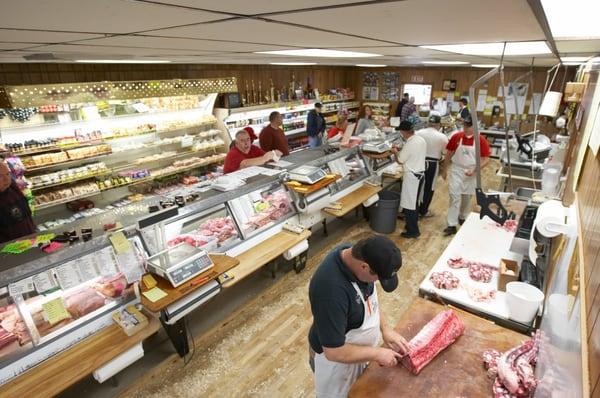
578 46
430 21
32 36
14 46
254 7
106 16
111 51
176 43
266 33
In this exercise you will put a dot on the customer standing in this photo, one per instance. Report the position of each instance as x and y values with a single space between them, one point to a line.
340 127
463 111
347 321
272 137
412 158
436 146
462 179
408 109
365 120
401 104
315 126
15 215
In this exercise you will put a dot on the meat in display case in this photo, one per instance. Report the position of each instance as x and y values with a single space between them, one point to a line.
261 209
62 303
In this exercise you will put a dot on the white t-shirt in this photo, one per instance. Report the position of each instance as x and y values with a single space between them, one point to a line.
436 142
412 155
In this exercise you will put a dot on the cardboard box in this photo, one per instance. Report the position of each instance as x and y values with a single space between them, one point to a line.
509 272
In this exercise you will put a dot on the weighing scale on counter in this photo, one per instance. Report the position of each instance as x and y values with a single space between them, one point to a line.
179 264
307 174
376 147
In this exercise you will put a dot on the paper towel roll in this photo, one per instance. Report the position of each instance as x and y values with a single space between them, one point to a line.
548 222
371 200
296 250
119 363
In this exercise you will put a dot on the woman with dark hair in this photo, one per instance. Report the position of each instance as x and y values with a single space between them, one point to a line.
365 120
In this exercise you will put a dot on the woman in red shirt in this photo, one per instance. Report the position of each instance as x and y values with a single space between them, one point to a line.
339 128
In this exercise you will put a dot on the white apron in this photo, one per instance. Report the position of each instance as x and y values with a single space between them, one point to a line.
464 158
410 190
334 379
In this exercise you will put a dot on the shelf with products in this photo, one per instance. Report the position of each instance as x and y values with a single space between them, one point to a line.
66 161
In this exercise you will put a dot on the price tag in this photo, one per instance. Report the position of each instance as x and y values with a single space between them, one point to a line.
105 262
141 108
120 242
44 282
21 287
187 141
68 275
55 311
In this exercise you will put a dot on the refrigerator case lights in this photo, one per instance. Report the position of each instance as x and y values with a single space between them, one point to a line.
51 310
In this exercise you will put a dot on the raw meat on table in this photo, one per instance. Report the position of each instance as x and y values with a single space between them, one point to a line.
436 335
481 296
444 280
509 226
480 273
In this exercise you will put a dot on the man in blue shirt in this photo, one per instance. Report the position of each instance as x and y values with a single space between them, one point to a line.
315 126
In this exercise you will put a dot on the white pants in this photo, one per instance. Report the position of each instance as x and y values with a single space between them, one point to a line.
460 207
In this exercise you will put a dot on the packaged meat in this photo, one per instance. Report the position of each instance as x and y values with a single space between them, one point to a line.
112 287
11 321
444 280
6 337
83 302
438 334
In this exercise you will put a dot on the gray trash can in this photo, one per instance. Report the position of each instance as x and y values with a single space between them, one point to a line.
382 217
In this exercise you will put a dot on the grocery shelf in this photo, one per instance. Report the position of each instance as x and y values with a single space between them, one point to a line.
56 184
295 131
67 162
175 156
338 100
48 205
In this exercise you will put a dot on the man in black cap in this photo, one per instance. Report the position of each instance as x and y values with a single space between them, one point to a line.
463 111
315 126
348 325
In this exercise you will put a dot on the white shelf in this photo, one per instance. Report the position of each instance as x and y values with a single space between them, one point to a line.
295 131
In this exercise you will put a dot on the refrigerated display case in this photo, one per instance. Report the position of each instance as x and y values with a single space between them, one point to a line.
52 302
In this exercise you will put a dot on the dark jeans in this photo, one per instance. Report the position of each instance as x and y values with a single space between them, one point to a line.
411 217
427 187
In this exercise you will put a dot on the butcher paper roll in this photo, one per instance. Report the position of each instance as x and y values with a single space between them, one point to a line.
551 216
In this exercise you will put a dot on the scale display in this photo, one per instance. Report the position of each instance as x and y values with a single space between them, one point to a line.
180 263
307 174
377 148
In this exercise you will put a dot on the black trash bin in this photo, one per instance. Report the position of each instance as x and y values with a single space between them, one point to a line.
382 217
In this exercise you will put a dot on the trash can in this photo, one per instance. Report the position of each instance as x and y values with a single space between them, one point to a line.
382 217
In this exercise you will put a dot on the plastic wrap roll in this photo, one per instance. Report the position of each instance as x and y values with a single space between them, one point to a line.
296 250
550 104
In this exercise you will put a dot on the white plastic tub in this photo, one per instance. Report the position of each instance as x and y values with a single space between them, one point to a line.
523 301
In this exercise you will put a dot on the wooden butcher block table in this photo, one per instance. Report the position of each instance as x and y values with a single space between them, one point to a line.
456 372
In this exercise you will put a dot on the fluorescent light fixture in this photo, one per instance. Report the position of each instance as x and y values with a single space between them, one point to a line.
574 59
484 66
573 19
293 63
122 61
572 63
445 62
516 48
371 65
319 52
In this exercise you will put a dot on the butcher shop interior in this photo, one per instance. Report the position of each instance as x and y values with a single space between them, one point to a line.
299 198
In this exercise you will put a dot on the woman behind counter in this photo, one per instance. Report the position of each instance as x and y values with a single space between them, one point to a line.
365 120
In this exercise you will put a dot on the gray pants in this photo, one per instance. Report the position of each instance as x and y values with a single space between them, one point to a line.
460 207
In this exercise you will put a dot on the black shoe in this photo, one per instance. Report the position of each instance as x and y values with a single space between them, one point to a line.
449 231
409 236
461 221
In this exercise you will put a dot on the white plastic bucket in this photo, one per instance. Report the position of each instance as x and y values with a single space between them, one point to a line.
523 301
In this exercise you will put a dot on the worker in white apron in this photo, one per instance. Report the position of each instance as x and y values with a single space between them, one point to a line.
344 342
412 158
462 177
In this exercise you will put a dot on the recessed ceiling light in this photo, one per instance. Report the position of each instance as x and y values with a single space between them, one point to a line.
572 63
516 48
371 65
318 52
293 63
445 62
573 19
122 61
484 66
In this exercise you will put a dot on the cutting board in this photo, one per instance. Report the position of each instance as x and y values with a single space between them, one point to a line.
456 372
307 189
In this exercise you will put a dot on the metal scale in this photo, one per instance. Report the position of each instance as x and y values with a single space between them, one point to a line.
307 174
180 263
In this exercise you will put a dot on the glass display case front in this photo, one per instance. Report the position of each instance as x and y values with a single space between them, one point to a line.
352 168
261 209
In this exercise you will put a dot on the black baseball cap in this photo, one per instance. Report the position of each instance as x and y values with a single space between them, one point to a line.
435 119
468 121
405 125
384 258
318 105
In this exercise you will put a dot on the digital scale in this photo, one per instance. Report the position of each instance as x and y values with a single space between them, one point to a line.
380 147
307 174
180 263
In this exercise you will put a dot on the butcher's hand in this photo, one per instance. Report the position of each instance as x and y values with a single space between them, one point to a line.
387 357
469 172
278 153
268 156
444 173
395 341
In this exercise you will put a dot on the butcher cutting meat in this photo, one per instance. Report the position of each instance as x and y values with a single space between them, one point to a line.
348 325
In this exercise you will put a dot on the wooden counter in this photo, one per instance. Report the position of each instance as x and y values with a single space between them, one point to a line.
353 199
222 264
266 251
65 369
456 372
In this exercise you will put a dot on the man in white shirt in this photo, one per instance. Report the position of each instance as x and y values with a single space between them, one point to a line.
436 146
412 158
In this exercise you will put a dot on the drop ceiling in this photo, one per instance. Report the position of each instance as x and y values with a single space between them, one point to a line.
230 32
